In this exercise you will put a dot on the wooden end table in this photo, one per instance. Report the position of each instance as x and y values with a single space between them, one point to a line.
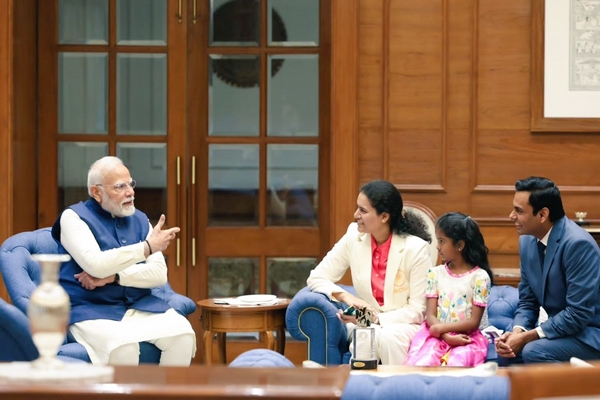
223 318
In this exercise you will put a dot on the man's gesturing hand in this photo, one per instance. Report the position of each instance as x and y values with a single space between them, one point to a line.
159 239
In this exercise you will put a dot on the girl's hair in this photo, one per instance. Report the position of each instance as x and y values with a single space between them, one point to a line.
385 197
458 226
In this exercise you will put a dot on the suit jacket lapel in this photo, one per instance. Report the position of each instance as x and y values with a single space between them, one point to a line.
553 242
364 262
393 264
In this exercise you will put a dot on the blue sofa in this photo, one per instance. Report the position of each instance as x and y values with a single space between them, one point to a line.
400 387
15 336
21 275
313 318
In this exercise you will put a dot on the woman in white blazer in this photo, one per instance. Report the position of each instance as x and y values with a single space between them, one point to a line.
387 251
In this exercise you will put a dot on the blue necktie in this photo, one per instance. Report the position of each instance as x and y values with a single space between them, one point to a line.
541 251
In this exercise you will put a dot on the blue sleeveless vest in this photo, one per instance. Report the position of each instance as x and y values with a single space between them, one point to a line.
110 301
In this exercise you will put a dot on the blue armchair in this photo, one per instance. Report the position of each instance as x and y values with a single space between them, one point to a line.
312 317
15 336
21 275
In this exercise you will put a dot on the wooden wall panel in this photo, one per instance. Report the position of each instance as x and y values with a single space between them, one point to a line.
371 72
415 40
415 65
444 113
25 116
415 159
344 117
459 65
503 59
570 159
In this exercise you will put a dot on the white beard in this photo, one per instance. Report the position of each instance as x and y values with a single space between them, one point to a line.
118 210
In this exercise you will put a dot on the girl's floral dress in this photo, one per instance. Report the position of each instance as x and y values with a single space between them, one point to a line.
456 294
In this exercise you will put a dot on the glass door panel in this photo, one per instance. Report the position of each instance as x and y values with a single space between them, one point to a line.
233 185
231 277
141 94
147 164
83 22
293 182
293 95
293 23
142 22
82 93
286 276
74 161
234 22
234 95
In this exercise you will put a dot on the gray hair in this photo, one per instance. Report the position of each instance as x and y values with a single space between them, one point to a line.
99 169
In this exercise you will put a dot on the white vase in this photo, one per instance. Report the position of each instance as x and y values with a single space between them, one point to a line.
49 310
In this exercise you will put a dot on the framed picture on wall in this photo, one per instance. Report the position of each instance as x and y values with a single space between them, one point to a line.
565 65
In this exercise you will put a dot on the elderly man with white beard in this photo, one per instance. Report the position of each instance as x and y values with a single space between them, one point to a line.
116 258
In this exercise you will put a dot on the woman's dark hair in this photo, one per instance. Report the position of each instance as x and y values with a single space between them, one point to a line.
385 197
458 226
542 193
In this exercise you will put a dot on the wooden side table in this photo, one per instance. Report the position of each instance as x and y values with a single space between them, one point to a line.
223 318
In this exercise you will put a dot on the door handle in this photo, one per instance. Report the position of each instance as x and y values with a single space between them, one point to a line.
179 13
195 13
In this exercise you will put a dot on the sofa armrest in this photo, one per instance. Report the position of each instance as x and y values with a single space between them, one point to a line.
312 317
415 387
502 305
180 303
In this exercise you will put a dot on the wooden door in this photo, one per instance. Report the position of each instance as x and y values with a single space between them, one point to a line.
112 81
259 142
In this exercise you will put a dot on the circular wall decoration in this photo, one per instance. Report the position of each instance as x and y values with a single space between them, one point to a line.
236 21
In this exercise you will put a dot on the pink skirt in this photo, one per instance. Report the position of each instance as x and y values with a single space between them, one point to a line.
428 351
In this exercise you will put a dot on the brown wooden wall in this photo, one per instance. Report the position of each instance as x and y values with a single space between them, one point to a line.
442 109
18 122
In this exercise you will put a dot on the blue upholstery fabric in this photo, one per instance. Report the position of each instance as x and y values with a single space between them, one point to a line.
502 305
15 336
261 358
312 317
409 386
414 387
21 275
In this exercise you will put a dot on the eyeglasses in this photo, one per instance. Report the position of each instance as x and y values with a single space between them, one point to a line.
119 187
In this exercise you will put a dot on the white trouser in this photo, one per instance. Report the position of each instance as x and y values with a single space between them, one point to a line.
175 351
391 342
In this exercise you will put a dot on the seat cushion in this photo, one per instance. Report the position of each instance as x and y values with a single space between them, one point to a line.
261 358
414 387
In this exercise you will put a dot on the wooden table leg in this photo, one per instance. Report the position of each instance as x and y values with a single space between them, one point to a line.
270 340
281 341
222 346
208 339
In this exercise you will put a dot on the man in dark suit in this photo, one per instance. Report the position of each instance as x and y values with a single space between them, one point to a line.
560 271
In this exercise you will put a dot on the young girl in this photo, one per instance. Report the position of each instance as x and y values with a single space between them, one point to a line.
457 294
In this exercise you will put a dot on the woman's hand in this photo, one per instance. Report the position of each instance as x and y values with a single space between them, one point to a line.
346 318
352 300
458 339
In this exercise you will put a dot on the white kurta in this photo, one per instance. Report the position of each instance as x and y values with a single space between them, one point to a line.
101 336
